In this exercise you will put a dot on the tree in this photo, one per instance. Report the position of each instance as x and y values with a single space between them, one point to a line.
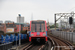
53 26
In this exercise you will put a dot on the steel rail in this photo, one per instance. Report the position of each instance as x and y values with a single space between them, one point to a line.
63 42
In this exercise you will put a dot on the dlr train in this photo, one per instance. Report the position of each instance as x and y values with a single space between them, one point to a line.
38 31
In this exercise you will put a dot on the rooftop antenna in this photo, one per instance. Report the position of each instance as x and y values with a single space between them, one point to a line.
32 16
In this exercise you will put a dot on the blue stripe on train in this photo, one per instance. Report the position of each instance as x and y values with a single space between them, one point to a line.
29 33
46 33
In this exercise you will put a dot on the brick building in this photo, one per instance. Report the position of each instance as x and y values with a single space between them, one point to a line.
17 28
26 27
23 26
10 27
2 28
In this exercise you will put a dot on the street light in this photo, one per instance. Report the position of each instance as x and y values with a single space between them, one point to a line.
19 30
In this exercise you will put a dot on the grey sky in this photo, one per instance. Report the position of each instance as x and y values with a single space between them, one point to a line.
41 9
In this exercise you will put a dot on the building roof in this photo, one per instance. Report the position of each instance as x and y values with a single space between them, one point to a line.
22 23
10 25
19 23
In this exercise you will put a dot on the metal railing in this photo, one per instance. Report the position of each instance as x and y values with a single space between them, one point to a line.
5 46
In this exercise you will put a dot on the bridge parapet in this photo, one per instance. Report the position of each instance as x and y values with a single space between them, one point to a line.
69 36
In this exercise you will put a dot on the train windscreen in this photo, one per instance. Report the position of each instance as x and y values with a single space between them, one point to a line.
38 26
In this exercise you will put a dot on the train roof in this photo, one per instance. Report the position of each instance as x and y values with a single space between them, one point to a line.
37 20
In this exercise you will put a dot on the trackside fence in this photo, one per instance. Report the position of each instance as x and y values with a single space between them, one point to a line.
6 46
70 36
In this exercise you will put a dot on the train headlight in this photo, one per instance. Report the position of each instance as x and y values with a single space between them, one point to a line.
32 34
44 34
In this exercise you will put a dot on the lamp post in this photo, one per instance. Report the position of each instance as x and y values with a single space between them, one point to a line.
19 30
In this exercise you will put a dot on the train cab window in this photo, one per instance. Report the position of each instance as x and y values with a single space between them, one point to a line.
33 28
42 27
38 27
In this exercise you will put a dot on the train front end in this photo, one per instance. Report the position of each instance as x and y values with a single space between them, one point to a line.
38 31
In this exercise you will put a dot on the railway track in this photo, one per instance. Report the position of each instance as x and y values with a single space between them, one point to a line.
38 46
27 46
53 43
60 44
33 46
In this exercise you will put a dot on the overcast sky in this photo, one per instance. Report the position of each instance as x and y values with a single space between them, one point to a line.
41 9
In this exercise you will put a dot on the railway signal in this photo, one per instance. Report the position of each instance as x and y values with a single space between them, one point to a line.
70 20
65 15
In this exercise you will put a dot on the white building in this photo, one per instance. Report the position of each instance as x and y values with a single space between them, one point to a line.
20 19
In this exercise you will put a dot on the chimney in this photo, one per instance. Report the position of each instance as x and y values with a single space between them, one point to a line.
8 23
13 23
